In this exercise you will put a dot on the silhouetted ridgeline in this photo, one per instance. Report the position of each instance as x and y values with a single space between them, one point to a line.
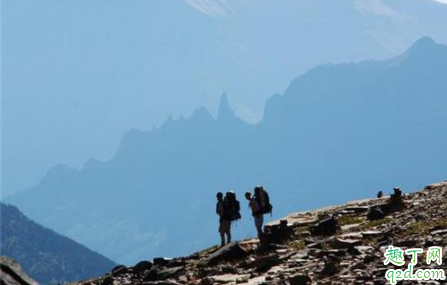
338 132
45 255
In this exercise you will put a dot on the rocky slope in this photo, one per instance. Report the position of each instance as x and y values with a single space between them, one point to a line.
335 245
12 274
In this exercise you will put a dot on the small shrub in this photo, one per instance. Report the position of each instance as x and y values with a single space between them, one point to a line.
297 244
373 224
422 227
349 220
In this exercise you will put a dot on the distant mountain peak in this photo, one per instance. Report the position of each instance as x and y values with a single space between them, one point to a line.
225 113
201 114
423 45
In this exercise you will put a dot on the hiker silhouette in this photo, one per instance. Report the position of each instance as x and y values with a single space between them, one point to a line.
224 219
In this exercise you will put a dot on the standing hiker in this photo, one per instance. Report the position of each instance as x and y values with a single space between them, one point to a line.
256 213
224 219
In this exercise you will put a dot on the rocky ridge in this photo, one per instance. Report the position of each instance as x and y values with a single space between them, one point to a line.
11 273
336 245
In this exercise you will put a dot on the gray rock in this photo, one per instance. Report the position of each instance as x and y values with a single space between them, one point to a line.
230 251
325 227
163 261
330 268
264 263
12 274
119 270
339 243
299 279
357 209
375 213
440 232
158 273
142 266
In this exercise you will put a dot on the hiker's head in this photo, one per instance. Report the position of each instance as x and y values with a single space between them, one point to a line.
248 195
219 195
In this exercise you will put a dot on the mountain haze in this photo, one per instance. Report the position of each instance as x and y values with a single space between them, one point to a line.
78 74
337 132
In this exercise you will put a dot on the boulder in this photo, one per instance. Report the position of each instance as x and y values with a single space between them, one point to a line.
119 270
325 227
375 213
330 268
163 261
230 251
264 263
299 279
158 273
142 266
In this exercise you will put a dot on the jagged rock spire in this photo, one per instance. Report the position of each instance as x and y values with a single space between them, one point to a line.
225 113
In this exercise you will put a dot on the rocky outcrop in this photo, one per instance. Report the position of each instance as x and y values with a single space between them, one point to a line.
335 245
12 274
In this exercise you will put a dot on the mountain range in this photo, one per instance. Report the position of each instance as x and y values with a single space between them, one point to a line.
74 82
47 256
338 131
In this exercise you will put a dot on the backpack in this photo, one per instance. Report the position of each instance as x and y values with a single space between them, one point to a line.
263 199
232 207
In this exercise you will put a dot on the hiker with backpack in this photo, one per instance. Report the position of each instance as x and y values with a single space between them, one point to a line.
259 205
228 209
256 213
224 221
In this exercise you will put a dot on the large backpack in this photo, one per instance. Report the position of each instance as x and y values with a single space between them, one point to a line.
232 207
263 199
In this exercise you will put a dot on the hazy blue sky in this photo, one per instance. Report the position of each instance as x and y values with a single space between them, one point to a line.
77 74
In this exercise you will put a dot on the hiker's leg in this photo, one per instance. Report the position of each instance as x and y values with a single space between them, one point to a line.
222 239
258 223
222 233
228 237
261 233
229 232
